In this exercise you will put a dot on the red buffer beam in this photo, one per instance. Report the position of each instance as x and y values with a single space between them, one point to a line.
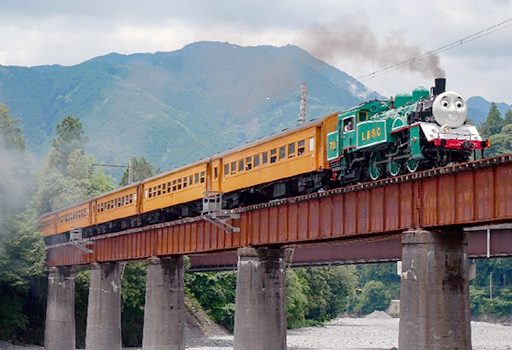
469 194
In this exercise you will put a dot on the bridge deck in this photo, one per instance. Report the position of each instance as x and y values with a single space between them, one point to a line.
471 194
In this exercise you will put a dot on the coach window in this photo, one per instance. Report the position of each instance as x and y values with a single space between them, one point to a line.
169 188
256 160
233 168
203 177
185 183
240 165
291 150
164 188
179 184
273 155
264 157
131 196
248 163
312 144
301 147
282 152
226 169
216 172
196 178
191 180
174 187
159 190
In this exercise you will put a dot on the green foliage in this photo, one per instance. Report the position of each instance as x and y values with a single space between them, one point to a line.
508 117
493 123
67 176
69 139
297 291
133 299
22 279
82 279
374 296
491 291
11 135
142 169
330 289
215 291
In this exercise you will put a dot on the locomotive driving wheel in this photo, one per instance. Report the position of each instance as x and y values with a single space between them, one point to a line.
412 165
394 167
375 168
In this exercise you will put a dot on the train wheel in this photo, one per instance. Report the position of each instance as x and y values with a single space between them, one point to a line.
375 169
412 165
394 167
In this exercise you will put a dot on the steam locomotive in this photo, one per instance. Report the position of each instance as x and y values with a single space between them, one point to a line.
411 132
379 138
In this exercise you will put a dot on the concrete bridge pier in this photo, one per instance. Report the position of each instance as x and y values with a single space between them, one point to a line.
104 309
164 314
434 293
60 310
260 307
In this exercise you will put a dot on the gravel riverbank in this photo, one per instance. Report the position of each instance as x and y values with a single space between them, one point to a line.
376 332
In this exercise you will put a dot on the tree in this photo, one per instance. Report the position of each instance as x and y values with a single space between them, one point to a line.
375 296
330 289
215 292
508 117
142 169
11 135
69 139
494 121
67 176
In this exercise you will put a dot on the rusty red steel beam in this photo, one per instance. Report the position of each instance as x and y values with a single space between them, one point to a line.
475 193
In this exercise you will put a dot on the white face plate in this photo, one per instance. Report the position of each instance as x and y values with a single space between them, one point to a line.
450 109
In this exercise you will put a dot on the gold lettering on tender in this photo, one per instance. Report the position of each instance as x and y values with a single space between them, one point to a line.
368 134
378 131
362 136
373 133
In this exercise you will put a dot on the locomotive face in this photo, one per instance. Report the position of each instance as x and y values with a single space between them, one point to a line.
450 109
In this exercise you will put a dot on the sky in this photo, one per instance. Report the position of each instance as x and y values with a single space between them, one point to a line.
358 37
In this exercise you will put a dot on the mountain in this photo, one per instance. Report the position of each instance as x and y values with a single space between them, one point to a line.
175 107
478 108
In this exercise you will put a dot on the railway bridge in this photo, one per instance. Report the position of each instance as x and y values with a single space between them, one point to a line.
433 221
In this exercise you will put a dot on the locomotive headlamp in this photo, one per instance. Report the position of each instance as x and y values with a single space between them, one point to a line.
445 129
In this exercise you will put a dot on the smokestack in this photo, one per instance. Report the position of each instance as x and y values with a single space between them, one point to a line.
440 86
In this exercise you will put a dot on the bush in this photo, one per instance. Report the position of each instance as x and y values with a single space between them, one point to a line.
374 296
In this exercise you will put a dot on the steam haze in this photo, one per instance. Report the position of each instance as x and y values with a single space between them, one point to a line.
15 183
357 41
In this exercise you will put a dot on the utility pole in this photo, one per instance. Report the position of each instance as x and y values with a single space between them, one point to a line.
130 171
303 103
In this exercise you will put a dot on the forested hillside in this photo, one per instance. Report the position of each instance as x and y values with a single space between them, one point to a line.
173 107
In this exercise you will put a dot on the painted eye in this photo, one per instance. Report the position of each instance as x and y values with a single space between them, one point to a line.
459 104
445 103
